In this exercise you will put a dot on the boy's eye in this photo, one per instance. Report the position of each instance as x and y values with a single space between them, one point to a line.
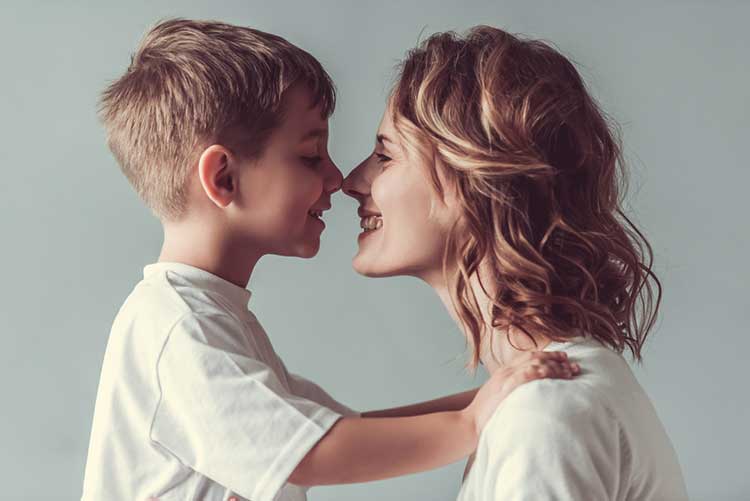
312 161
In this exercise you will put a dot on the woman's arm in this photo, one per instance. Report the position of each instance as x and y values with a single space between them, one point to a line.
373 448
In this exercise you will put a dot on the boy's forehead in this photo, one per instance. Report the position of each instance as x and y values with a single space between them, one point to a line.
302 118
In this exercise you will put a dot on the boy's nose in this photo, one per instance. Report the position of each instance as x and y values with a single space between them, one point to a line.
348 188
334 179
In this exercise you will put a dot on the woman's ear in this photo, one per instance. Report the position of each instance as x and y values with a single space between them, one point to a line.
447 179
218 175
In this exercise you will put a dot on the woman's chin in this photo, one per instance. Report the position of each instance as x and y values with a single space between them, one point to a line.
361 268
366 267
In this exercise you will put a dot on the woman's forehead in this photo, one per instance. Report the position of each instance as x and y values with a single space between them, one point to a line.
387 134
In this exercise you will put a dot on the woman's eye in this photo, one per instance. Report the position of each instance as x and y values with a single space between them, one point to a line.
312 161
382 159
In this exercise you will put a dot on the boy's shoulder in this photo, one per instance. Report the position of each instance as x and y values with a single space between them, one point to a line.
167 293
165 300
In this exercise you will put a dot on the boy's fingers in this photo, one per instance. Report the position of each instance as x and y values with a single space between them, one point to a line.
555 368
542 365
551 367
545 355
554 355
528 374
533 356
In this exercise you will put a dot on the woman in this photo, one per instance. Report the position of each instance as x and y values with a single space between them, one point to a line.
496 179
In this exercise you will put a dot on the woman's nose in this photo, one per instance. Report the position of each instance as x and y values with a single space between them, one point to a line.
354 184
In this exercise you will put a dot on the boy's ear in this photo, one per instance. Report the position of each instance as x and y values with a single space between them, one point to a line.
217 174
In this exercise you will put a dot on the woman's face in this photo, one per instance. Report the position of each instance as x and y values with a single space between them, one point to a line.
404 220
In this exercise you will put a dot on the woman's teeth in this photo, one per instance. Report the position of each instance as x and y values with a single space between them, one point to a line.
371 223
316 213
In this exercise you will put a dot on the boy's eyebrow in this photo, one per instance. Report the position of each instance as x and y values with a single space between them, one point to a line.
314 133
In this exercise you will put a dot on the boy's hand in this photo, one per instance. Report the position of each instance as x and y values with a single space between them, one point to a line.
532 365
361 449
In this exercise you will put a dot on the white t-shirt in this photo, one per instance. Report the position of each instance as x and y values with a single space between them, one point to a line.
595 437
193 402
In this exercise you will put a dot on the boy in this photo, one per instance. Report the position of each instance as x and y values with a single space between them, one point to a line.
222 131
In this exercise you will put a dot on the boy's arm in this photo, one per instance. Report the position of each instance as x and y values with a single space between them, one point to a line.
310 390
456 402
365 449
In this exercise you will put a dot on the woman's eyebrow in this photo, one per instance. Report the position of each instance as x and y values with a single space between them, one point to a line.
381 138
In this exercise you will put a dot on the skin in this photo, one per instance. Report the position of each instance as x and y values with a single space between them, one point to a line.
241 210
245 209
411 241
394 182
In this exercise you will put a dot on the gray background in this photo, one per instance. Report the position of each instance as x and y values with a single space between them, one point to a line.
75 238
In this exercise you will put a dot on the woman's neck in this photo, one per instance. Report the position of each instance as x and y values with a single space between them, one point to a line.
497 348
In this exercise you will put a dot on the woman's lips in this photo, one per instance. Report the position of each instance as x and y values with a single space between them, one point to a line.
371 223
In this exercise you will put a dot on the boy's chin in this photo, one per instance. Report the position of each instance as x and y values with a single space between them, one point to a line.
306 250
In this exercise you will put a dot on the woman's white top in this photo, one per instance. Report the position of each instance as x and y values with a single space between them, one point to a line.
596 437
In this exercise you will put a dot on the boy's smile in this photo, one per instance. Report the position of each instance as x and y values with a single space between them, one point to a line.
285 191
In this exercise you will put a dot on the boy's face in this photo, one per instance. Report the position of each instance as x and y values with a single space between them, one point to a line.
283 192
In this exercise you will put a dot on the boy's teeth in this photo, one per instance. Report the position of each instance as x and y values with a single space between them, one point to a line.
371 223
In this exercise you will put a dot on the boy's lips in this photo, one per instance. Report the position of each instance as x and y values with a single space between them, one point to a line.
317 220
318 211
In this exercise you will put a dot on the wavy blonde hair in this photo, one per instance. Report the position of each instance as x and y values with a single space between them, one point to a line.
539 179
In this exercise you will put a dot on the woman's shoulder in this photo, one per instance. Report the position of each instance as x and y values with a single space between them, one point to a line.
593 396
563 398
602 417
543 415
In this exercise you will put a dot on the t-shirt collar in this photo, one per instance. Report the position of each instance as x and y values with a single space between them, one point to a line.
239 296
572 341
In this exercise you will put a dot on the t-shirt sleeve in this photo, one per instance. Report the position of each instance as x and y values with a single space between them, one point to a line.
307 389
563 452
226 415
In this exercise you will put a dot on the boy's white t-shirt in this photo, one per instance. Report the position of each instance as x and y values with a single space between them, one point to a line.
193 402
594 437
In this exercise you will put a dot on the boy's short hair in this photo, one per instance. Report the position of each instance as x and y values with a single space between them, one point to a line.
194 83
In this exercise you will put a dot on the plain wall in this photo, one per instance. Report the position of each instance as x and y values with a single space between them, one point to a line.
75 237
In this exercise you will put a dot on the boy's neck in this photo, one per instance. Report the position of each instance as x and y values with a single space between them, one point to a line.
205 246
